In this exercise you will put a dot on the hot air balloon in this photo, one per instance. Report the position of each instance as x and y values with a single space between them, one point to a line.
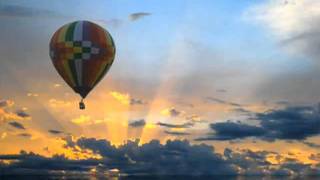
82 52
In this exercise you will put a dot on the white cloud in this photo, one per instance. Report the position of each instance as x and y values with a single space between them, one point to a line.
295 23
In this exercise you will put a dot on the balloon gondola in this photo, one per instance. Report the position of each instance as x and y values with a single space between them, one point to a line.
82 52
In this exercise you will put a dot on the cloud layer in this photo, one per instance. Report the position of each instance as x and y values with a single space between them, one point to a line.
172 158
289 123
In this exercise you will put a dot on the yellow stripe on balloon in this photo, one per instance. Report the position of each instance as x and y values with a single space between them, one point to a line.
62 34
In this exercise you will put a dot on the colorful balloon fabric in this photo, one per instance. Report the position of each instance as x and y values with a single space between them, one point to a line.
82 52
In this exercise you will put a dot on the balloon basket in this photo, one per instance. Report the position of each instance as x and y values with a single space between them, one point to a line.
82 105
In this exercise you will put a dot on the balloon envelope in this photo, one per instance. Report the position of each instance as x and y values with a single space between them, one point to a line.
82 52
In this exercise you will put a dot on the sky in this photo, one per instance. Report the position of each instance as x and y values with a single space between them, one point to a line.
231 86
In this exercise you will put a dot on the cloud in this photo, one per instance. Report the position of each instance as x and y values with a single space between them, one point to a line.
123 98
32 94
296 31
220 101
178 126
52 131
298 122
59 103
24 11
3 135
126 99
231 130
137 123
26 135
17 125
23 114
134 101
195 119
177 133
172 112
221 90
138 15
174 157
171 158
311 144
34 164
289 123
6 103
243 111
8 115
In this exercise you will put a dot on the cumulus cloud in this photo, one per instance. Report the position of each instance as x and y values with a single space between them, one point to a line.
289 123
17 125
137 123
172 158
138 15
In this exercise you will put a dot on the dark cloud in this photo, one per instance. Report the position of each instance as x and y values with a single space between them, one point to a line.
182 102
137 123
173 112
220 101
283 102
256 164
26 135
172 158
139 15
311 144
221 90
243 111
290 123
31 163
134 101
22 114
177 133
52 131
23 11
184 125
315 157
17 125
232 130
